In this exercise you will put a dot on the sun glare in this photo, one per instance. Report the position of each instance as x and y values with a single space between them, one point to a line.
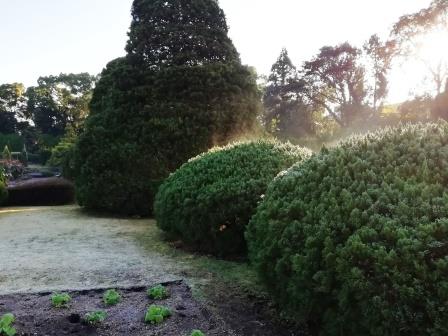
427 68
433 49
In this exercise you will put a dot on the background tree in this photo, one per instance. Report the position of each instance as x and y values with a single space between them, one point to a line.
60 101
379 59
335 80
180 90
285 113
12 106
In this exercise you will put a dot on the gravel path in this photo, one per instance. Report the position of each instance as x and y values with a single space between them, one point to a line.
62 248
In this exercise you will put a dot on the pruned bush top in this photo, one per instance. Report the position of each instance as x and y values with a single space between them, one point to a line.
356 238
180 90
209 200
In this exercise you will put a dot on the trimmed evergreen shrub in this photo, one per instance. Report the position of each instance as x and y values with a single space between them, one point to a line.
209 200
355 239
180 90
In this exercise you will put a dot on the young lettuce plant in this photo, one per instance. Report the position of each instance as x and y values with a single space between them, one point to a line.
111 297
95 317
157 314
6 322
60 300
158 292
197 333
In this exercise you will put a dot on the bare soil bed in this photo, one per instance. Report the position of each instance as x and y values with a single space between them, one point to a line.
36 316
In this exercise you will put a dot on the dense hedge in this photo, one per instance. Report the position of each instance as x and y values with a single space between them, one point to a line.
356 238
209 200
168 100
42 191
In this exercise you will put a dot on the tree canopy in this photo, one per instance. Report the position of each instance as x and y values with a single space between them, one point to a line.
60 101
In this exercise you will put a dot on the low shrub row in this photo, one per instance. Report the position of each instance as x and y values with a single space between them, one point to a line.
352 241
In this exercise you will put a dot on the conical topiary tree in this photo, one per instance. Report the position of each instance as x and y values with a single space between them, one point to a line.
180 90
6 155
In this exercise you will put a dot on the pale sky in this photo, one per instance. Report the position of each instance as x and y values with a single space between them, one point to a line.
47 37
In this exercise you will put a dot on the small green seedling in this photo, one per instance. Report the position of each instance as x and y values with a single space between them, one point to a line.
60 300
111 297
158 292
6 322
95 317
197 333
157 314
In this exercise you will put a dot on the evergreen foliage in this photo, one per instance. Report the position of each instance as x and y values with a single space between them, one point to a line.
169 99
179 33
354 239
209 200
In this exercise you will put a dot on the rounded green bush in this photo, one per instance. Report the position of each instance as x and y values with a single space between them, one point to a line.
209 200
355 240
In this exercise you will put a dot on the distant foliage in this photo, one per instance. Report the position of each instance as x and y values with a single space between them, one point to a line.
180 90
13 141
354 239
3 190
210 199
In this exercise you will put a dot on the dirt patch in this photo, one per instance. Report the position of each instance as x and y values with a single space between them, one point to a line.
36 316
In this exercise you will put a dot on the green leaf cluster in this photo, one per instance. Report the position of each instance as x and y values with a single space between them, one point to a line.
209 200
157 314
355 239
6 322
111 297
95 317
158 292
197 333
60 300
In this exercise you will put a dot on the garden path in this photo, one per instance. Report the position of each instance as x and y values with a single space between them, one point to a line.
61 248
